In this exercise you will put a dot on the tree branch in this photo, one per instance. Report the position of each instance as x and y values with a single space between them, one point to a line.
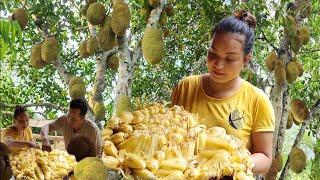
46 105
270 43
75 5
196 65
310 51
99 83
304 126
155 15
62 70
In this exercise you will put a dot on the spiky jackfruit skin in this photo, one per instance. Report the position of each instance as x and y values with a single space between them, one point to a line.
50 50
83 50
279 161
77 91
77 88
289 121
106 38
165 32
169 10
299 110
92 45
96 13
152 45
124 104
299 66
35 57
83 9
279 73
290 26
90 168
20 16
304 34
296 43
270 60
113 62
273 171
145 13
120 20
99 110
154 3
298 160
292 72
91 1
75 80
163 19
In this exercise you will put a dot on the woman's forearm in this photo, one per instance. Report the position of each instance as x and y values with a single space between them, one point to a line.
261 163
17 144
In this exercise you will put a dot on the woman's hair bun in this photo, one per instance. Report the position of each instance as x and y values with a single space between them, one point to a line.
247 17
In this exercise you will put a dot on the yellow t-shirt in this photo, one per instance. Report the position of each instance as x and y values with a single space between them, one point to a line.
12 133
248 110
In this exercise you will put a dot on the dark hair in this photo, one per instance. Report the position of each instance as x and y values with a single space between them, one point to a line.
242 22
79 104
81 147
19 110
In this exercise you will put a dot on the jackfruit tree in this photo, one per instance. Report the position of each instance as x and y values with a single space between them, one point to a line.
120 55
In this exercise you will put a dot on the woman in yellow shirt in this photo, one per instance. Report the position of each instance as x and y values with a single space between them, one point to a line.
221 98
19 135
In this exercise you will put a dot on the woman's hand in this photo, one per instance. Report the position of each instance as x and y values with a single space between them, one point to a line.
46 146
32 145
261 151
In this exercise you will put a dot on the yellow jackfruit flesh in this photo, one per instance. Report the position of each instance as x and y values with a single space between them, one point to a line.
152 45
50 50
113 62
120 20
155 142
99 110
298 160
96 13
35 57
292 72
299 110
20 16
92 45
90 168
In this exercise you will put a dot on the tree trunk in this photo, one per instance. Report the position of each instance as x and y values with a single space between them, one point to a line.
128 60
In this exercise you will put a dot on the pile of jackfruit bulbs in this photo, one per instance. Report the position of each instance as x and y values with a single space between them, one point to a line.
42 165
169 143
